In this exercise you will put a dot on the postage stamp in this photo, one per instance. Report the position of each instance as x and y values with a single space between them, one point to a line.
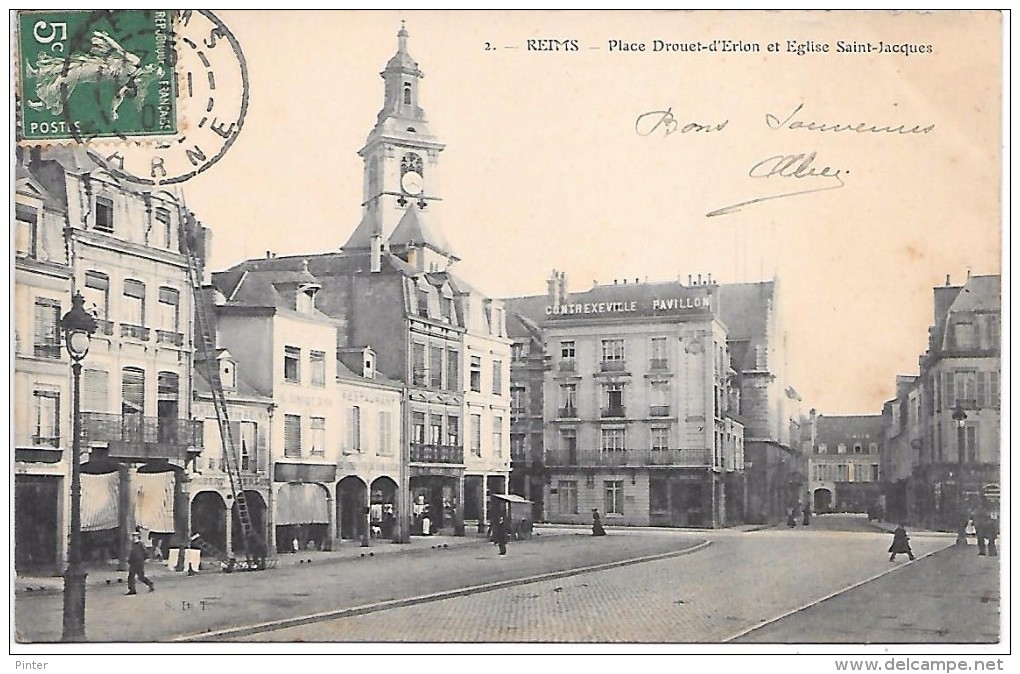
96 74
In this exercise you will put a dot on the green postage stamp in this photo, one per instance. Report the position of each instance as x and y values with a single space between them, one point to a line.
85 75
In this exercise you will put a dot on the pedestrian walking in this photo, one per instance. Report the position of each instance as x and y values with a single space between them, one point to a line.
500 534
992 533
596 523
900 544
136 565
791 520
807 517
987 530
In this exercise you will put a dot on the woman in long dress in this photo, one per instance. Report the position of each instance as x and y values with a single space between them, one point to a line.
596 523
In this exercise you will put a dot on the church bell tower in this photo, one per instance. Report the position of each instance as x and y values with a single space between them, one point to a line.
400 190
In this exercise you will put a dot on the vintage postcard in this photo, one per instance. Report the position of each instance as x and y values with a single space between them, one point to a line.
509 331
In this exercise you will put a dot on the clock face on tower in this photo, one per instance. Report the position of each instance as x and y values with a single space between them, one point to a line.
412 183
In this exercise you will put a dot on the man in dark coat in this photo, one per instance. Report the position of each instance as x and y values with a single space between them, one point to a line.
500 534
136 565
900 544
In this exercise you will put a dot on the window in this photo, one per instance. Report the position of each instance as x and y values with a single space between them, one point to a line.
476 434
133 309
613 439
873 448
823 448
659 360
354 429
97 294
163 225
518 447
47 328
292 364
304 299
317 367
419 375
47 418
423 303
497 435
476 374
963 333
518 351
407 93
132 391
841 448
858 448
497 377
249 445
567 355
659 399
453 431
385 436
970 443
994 332
26 231
964 386
435 429
453 371
874 472
317 436
612 399
95 386
291 436
614 497
568 442
418 428
660 439
612 354
104 215
566 490
169 309
993 388
982 389
568 400
436 367
518 400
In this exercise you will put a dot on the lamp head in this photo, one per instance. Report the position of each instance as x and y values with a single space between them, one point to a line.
78 326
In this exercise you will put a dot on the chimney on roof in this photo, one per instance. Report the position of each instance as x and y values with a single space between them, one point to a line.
699 280
561 287
376 262
690 280
947 280
553 288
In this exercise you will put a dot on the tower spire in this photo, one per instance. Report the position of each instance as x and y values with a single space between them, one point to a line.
402 38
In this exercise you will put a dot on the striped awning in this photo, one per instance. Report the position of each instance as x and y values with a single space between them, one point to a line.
301 503
100 495
154 506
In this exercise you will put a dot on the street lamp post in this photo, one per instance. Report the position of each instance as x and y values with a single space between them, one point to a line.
960 417
78 327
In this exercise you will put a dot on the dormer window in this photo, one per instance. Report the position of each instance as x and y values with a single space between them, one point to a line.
26 233
306 299
368 370
228 374
104 215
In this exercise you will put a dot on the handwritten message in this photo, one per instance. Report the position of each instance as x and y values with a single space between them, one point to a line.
800 173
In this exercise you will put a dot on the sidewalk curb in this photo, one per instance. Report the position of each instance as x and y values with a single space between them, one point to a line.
176 577
753 628
234 632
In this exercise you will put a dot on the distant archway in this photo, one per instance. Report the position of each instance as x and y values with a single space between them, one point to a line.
209 518
351 501
823 500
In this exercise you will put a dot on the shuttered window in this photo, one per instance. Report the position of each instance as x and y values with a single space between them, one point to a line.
982 387
384 434
95 391
453 431
317 364
354 428
436 367
47 330
97 293
47 418
248 445
169 309
318 427
25 234
163 224
950 390
291 435
104 214
133 391
476 434
134 302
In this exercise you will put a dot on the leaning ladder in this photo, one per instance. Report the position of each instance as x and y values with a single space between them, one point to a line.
252 539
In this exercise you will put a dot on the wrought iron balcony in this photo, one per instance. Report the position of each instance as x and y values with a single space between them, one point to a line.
568 365
132 435
47 350
683 458
658 364
658 411
422 453
169 337
139 332
614 365
46 441
614 411
567 412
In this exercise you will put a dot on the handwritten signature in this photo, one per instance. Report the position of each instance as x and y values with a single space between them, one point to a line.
648 123
795 166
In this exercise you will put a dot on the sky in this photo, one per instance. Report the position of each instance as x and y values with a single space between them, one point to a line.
547 167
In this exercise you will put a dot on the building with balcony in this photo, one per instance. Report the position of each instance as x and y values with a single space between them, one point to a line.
946 420
844 466
80 228
391 287
639 410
